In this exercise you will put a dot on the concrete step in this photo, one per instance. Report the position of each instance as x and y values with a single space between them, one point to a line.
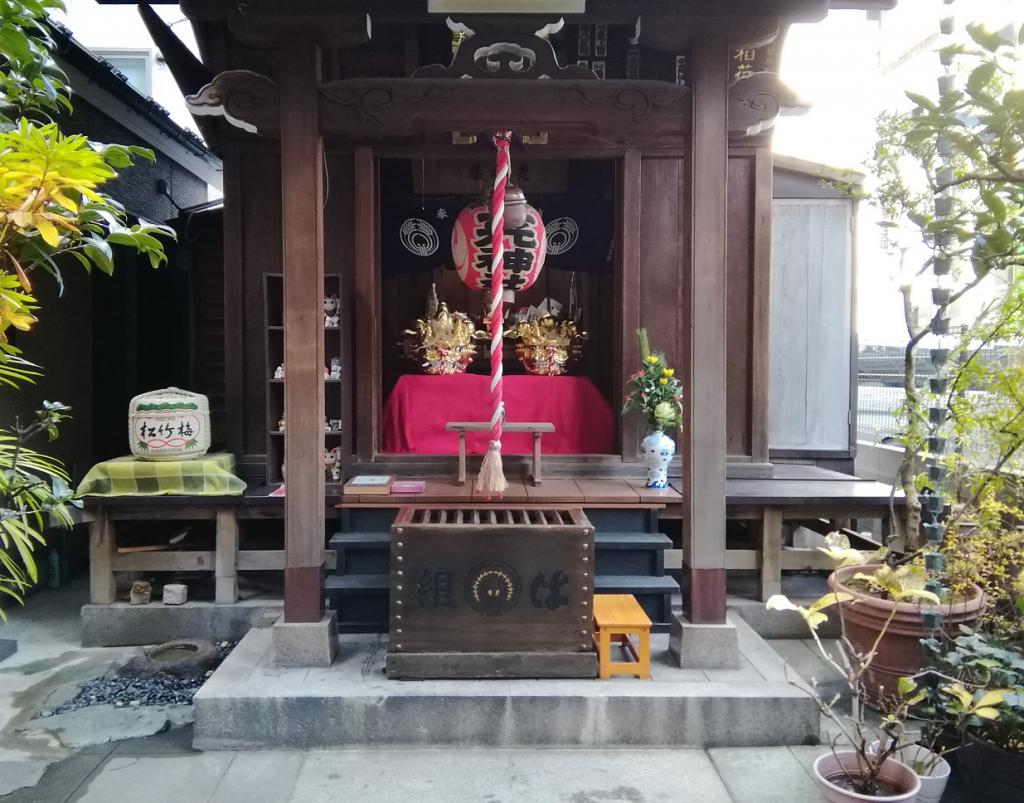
250 704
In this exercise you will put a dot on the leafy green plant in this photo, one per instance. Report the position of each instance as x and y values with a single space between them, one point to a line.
53 212
985 698
654 389
950 181
988 551
873 745
33 489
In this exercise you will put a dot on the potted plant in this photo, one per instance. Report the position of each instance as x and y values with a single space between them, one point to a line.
656 392
984 712
882 613
861 762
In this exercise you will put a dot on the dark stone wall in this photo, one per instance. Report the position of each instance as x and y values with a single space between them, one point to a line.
136 187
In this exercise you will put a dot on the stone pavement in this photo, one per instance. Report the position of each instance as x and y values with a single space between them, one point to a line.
164 767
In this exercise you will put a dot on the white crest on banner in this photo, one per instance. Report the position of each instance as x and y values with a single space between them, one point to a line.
563 232
419 237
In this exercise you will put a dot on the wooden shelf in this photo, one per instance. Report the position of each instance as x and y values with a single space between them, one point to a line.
334 346
278 328
327 433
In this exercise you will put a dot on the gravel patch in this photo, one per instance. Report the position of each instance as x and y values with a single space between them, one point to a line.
157 690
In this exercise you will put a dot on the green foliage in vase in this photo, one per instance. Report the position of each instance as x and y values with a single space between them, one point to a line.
654 389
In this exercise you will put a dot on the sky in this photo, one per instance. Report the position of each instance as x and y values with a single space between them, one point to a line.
849 68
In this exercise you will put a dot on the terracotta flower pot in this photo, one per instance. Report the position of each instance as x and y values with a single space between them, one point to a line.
899 652
830 768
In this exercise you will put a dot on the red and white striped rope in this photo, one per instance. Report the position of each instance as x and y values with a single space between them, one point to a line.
501 174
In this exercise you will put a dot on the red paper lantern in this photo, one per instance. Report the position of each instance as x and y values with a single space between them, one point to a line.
525 248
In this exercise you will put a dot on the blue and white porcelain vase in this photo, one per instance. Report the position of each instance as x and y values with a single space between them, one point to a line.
657 450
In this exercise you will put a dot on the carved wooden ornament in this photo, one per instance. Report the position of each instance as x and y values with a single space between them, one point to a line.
508 53
246 99
757 100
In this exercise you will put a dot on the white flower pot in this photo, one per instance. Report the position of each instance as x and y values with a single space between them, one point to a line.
833 766
657 450
933 783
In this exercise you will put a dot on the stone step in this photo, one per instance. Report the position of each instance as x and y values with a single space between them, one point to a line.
250 704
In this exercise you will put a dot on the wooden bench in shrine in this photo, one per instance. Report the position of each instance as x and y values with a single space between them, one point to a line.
538 428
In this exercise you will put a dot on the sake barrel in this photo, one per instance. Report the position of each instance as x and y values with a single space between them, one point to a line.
169 424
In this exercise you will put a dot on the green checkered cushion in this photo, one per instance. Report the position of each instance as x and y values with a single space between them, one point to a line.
210 475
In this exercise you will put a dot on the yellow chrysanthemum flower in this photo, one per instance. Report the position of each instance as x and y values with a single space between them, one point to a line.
663 381
668 371
650 359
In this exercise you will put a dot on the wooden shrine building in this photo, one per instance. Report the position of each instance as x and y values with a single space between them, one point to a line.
645 124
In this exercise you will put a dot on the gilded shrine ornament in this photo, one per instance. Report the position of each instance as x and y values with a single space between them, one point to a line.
445 342
547 347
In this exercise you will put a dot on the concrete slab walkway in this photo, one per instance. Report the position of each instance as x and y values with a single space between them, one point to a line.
164 768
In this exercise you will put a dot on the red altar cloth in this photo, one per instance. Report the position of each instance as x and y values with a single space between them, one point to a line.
420 406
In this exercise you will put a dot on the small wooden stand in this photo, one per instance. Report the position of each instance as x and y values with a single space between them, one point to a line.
538 428
616 616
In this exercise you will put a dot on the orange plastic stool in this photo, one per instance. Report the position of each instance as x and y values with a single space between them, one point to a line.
616 617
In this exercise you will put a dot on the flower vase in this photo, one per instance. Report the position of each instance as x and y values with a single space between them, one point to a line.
657 450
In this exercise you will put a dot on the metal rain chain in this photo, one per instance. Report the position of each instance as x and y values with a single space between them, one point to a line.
934 503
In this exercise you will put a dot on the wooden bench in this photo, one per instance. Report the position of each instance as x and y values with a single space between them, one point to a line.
616 617
799 495
225 560
538 428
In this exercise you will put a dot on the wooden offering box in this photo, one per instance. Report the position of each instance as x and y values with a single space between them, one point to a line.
491 591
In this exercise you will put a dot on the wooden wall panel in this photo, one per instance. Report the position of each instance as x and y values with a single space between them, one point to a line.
662 254
261 253
339 258
811 328
739 355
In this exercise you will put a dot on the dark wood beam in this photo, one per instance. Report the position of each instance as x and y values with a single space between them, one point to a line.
628 111
302 201
703 444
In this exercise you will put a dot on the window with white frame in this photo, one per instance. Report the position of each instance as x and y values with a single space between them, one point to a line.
135 65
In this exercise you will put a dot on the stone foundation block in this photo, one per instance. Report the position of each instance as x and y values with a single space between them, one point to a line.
704 646
305 643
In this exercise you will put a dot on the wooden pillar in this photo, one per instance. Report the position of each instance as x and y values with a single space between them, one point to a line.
770 574
102 547
225 567
627 284
703 440
302 199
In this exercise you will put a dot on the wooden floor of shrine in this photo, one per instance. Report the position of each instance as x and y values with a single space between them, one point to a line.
791 485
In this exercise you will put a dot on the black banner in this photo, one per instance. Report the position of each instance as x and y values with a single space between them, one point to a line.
416 231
